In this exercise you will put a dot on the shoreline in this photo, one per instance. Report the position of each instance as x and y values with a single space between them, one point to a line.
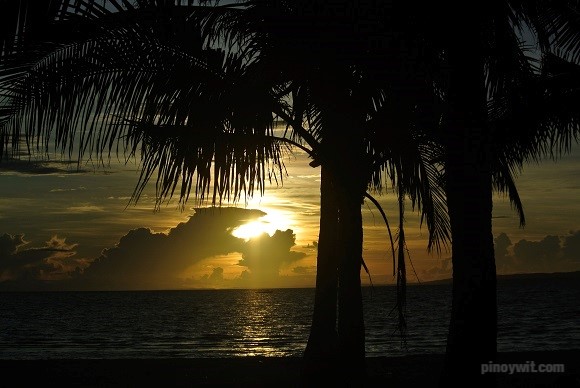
411 370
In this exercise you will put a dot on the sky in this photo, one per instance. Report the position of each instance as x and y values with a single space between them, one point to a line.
64 227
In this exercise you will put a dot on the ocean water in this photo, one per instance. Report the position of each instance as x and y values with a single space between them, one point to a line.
533 315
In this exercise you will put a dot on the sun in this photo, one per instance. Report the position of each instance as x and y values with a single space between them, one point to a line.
251 229
272 221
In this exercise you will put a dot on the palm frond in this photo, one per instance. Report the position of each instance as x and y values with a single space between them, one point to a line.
401 303
129 90
509 58
561 21
538 117
504 182
412 160
386 220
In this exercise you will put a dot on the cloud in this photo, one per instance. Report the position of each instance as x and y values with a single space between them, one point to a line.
143 259
550 254
302 270
84 209
265 255
213 280
33 167
217 275
59 190
537 255
53 261
440 271
571 246
9 244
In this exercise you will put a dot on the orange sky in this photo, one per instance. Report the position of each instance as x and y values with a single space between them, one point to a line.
54 220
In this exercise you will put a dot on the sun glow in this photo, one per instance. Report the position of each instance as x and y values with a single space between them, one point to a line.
272 221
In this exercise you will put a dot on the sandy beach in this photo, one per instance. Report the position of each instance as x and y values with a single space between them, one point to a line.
409 371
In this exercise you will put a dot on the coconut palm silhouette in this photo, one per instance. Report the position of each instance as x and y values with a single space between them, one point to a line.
194 91
200 111
500 93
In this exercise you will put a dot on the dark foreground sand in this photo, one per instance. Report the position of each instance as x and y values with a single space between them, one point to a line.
406 371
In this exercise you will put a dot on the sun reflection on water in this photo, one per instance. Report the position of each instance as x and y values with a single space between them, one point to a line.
262 329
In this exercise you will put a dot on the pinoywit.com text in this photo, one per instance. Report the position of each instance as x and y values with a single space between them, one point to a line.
527 367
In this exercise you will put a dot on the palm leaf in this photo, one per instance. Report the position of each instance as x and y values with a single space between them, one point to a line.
127 89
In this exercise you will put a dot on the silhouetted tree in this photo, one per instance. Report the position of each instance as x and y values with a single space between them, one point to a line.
498 111
194 92
362 102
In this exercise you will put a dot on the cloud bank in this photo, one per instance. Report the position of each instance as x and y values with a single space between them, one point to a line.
550 254
143 259
26 265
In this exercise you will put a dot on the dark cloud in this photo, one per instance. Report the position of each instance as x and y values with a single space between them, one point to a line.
9 244
550 254
215 279
502 242
302 270
217 275
32 167
571 246
265 255
537 255
504 262
143 259
50 262
440 271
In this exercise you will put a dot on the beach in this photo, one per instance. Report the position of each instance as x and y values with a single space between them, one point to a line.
410 371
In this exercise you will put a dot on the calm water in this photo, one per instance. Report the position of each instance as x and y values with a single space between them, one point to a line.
536 315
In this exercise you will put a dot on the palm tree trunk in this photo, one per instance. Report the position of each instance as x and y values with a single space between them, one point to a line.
351 329
342 154
472 338
322 347
350 187
338 357
472 334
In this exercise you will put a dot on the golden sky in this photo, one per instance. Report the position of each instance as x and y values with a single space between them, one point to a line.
60 228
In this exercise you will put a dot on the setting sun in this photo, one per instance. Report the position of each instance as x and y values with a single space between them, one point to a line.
272 221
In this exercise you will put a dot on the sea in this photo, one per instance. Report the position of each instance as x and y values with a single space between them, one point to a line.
533 314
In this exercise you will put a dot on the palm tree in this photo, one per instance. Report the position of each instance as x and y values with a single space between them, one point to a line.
202 108
475 89
488 79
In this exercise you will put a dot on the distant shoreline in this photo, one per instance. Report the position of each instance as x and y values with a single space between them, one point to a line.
574 275
559 276
412 370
